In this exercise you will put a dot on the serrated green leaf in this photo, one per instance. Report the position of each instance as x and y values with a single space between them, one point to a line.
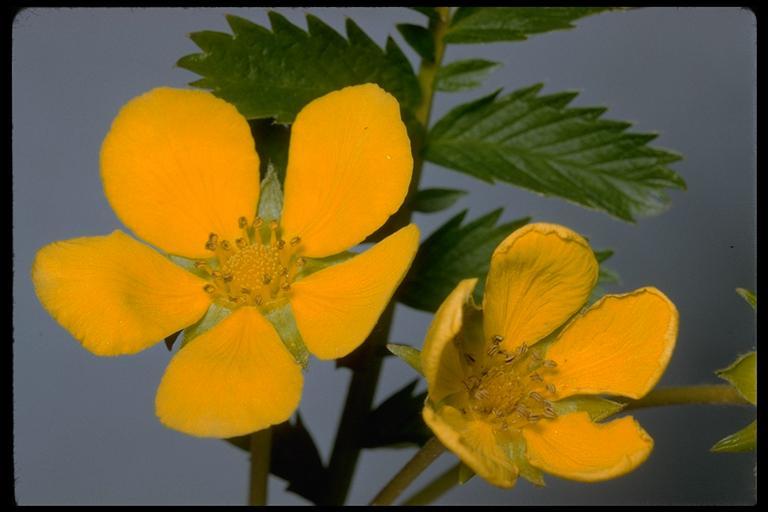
408 354
452 253
212 317
275 73
742 375
430 200
537 142
748 296
294 458
597 407
463 74
397 422
270 196
284 323
420 39
745 440
489 24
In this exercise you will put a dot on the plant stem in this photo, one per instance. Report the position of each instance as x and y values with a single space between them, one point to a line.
412 469
436 488
367 359
716 394
261 447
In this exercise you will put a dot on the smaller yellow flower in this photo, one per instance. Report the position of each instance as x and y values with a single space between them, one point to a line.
181 170
511 395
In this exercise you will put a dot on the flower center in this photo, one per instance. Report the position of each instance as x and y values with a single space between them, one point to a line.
256 270
509 390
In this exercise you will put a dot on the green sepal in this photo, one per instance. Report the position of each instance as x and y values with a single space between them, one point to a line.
463 74
271 196
430 200
272 141
408 354
312 265
188 265
420 39
211 318
597 407
284 323
465 473
745 440
397 421
748 296
516 451
742 376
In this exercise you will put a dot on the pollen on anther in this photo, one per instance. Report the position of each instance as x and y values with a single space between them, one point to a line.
226 245
497 339
295 240
266 279
209 288
242 222
549 363
551 388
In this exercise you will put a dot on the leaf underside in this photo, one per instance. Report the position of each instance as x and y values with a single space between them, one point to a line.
536 142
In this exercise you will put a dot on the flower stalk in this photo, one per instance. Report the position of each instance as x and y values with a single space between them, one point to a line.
367 361
261 447
428 453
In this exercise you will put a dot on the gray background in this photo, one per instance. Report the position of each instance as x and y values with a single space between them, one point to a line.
85 430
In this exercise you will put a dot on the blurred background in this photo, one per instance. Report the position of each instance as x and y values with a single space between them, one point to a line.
85 430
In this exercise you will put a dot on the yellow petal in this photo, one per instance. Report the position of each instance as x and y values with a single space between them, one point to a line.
235 379
474 442
540 275
349 166
620 346
180 164
114 294
440 357
337 307
573 447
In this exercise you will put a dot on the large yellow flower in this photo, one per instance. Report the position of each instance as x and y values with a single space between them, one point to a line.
180 169
510 395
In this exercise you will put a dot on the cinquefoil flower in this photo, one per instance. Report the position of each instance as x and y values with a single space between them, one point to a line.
180 169
510 395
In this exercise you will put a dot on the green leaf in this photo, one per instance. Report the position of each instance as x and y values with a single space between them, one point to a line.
430 200
212 317
270 196
420 39
597 407
463 74
275 73
284 323
408 354
452 253
488 24
745 440
397 422
294 458
536 142
748 296
742 375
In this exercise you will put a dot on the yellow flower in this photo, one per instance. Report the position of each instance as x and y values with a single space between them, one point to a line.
510 395
180 169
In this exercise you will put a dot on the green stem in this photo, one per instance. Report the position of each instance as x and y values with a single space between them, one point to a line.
412 469
436 488
716 394
261 447
367 360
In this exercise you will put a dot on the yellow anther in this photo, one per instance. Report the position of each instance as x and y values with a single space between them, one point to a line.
549 412
227 277
257 299
257 221
266 279
300 262
497 338
285 286
536 396
493 349
551 388
280 244
211 246
213 238
242 222
273 224
226 245
216 274
549 363
209 288
536 377
241 243
245 290
469 358
295 240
